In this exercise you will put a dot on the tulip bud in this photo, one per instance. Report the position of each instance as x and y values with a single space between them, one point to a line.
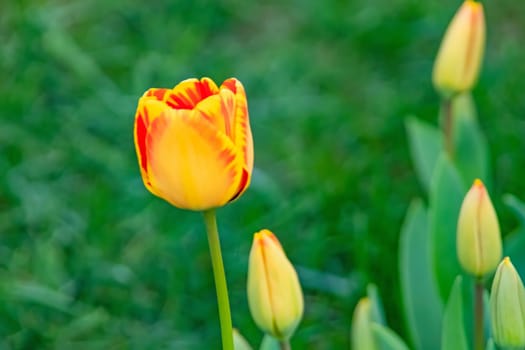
459 57
478 236
362 337
507 307
274 293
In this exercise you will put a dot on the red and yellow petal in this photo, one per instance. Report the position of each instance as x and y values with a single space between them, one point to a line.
242 134
187 94
148 110
192 165
156 93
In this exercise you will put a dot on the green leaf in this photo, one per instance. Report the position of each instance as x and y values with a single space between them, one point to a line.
446 195
269 343
386 339
490 345
32 292
376 306
423 308
517 206
514 243
425 146
470 146
239 343
453 336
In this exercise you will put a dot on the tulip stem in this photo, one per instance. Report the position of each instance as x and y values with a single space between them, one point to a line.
223 302
479 337
285 345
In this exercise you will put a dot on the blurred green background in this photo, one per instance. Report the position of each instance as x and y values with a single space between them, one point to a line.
90 260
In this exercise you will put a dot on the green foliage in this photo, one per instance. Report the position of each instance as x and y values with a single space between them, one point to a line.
386 339
90 260
453 336
446 195
269 343
515 242
426 145
470 151
423 307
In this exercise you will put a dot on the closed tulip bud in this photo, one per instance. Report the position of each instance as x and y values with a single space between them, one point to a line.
362 336
274 293
478 235
460 55
507 307
194 143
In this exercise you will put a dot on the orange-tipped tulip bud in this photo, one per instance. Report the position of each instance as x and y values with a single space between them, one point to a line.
194 143
460 55
478 234
507 307
274 293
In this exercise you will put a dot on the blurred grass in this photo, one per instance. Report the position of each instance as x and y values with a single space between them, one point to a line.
90 260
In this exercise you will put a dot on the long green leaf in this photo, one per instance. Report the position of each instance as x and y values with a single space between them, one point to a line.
471 151
514 244
422 305
453 336
446 195
425 146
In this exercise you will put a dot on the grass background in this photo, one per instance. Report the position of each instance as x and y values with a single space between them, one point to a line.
90 260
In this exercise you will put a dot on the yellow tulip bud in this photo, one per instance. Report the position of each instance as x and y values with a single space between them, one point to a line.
478 238
460 55
507 307
362 337
274 293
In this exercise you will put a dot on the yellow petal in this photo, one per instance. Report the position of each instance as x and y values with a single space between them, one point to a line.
192 164
219 111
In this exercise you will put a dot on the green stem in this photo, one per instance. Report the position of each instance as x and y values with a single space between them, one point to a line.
479 337
220 279
285 345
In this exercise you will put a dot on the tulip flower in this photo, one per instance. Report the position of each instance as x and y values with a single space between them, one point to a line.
478 235
507 305
460 55
274 293
194 143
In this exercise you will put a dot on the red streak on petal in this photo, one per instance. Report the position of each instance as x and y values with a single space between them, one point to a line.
226 156
242 184
141 139
158 93
227 115
179 101
204 89
230 84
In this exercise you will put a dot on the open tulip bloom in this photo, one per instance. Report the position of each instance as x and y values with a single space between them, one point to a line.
195 150
194 143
